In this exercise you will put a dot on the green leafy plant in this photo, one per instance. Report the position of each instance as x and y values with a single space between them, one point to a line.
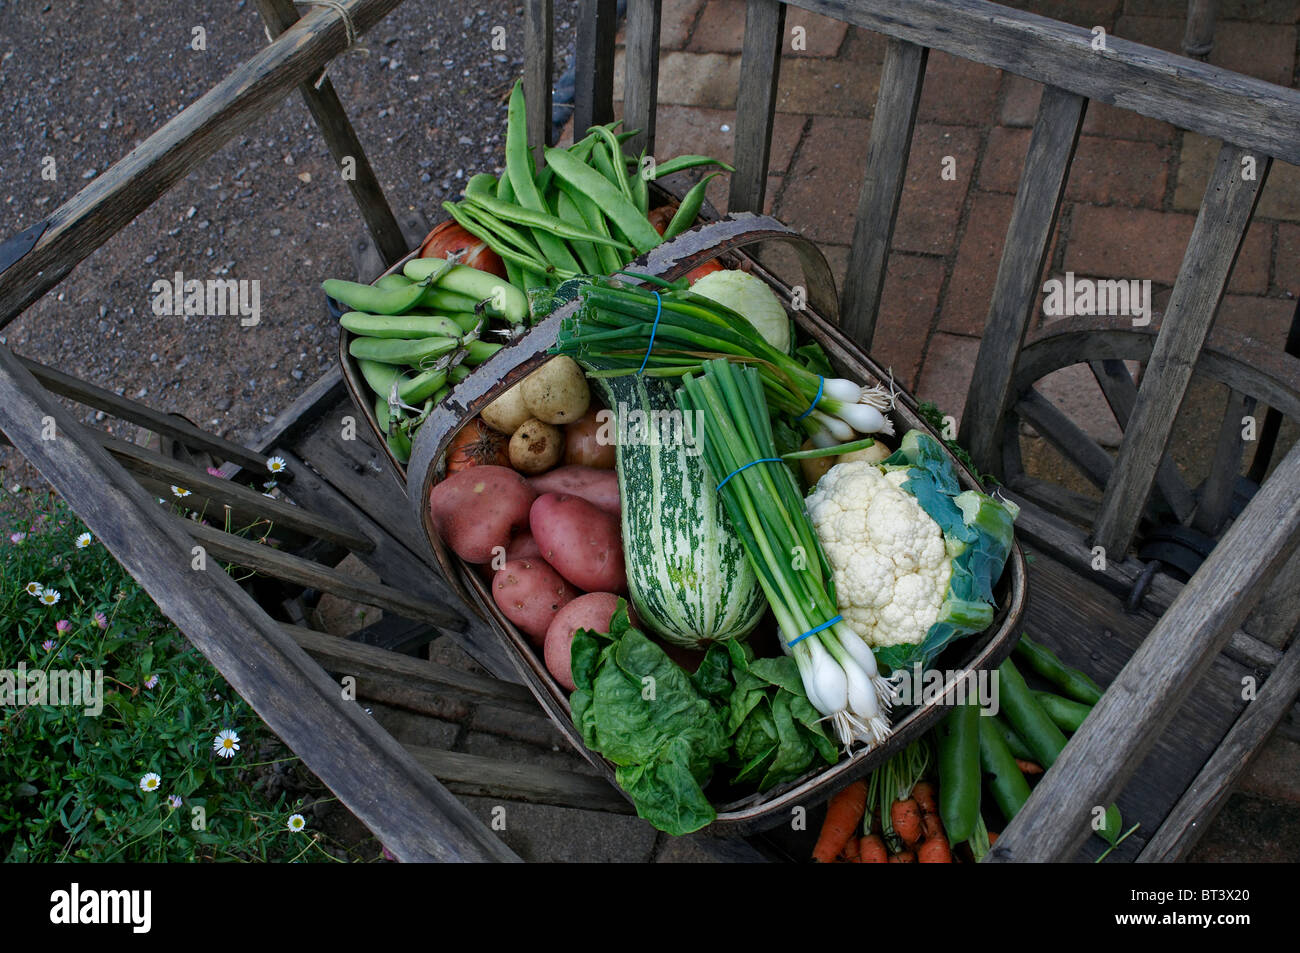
140 779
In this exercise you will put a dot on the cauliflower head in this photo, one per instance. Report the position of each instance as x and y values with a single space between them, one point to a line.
891 565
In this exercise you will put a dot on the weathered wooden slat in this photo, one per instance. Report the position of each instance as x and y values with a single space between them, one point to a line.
303 572
417 818
1214 506
1090 629
1216 238
346 657
760 67
1070 506
882 187
1067 544
1197 808
641 71
593 96
178 429
1272 424
539 60
394 634
132 184
1015 290
1136 707
1066 436
220 491
1273 620
327 110
358 469
476 776
394 562
1215 102
1121 394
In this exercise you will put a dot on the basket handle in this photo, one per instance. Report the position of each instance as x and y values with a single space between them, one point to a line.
670 260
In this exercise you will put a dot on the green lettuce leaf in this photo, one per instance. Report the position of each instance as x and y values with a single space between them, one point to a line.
777 734
664 730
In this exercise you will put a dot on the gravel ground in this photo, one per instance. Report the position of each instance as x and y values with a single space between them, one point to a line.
84 84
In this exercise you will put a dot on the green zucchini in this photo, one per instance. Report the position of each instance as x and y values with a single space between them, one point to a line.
686 568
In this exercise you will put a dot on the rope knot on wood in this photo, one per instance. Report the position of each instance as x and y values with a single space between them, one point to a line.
349 29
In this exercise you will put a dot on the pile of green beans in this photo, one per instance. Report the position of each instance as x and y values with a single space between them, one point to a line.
417 334
585 213
975 745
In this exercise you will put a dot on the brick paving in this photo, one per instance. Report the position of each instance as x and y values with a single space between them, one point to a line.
1130 206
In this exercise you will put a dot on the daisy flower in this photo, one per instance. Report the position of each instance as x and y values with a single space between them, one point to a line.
49 596
276 465
101 620
63 625
84 540
34 588
297 822
150 782
49 645
174 801
226 743
16 538
180 492
151 682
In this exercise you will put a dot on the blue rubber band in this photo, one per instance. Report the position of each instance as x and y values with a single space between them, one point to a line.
747 466
655 327
825 625
821 382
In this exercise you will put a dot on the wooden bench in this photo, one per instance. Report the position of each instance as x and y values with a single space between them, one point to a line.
1233 619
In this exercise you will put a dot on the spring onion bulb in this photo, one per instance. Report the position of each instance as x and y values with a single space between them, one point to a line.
845 391
864 418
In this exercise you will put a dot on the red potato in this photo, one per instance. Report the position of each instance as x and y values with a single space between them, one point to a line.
477 510
592 611
581 541
522 547
599 487
530 593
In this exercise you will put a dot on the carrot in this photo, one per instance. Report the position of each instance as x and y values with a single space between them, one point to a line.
872 850
1028 767
933 827
993 838
852 853
903 857
906 819
842 817
926 798
934 850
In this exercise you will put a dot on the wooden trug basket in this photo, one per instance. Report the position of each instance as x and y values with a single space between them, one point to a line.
734 238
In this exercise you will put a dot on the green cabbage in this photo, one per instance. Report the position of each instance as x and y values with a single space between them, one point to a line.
752 298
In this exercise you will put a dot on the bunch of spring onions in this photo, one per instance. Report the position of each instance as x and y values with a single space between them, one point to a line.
615 329
837 667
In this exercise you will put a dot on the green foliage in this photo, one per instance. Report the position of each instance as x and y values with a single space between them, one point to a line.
70 781
933 416
666 731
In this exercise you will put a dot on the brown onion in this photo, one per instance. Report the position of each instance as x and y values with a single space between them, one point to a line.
582 444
